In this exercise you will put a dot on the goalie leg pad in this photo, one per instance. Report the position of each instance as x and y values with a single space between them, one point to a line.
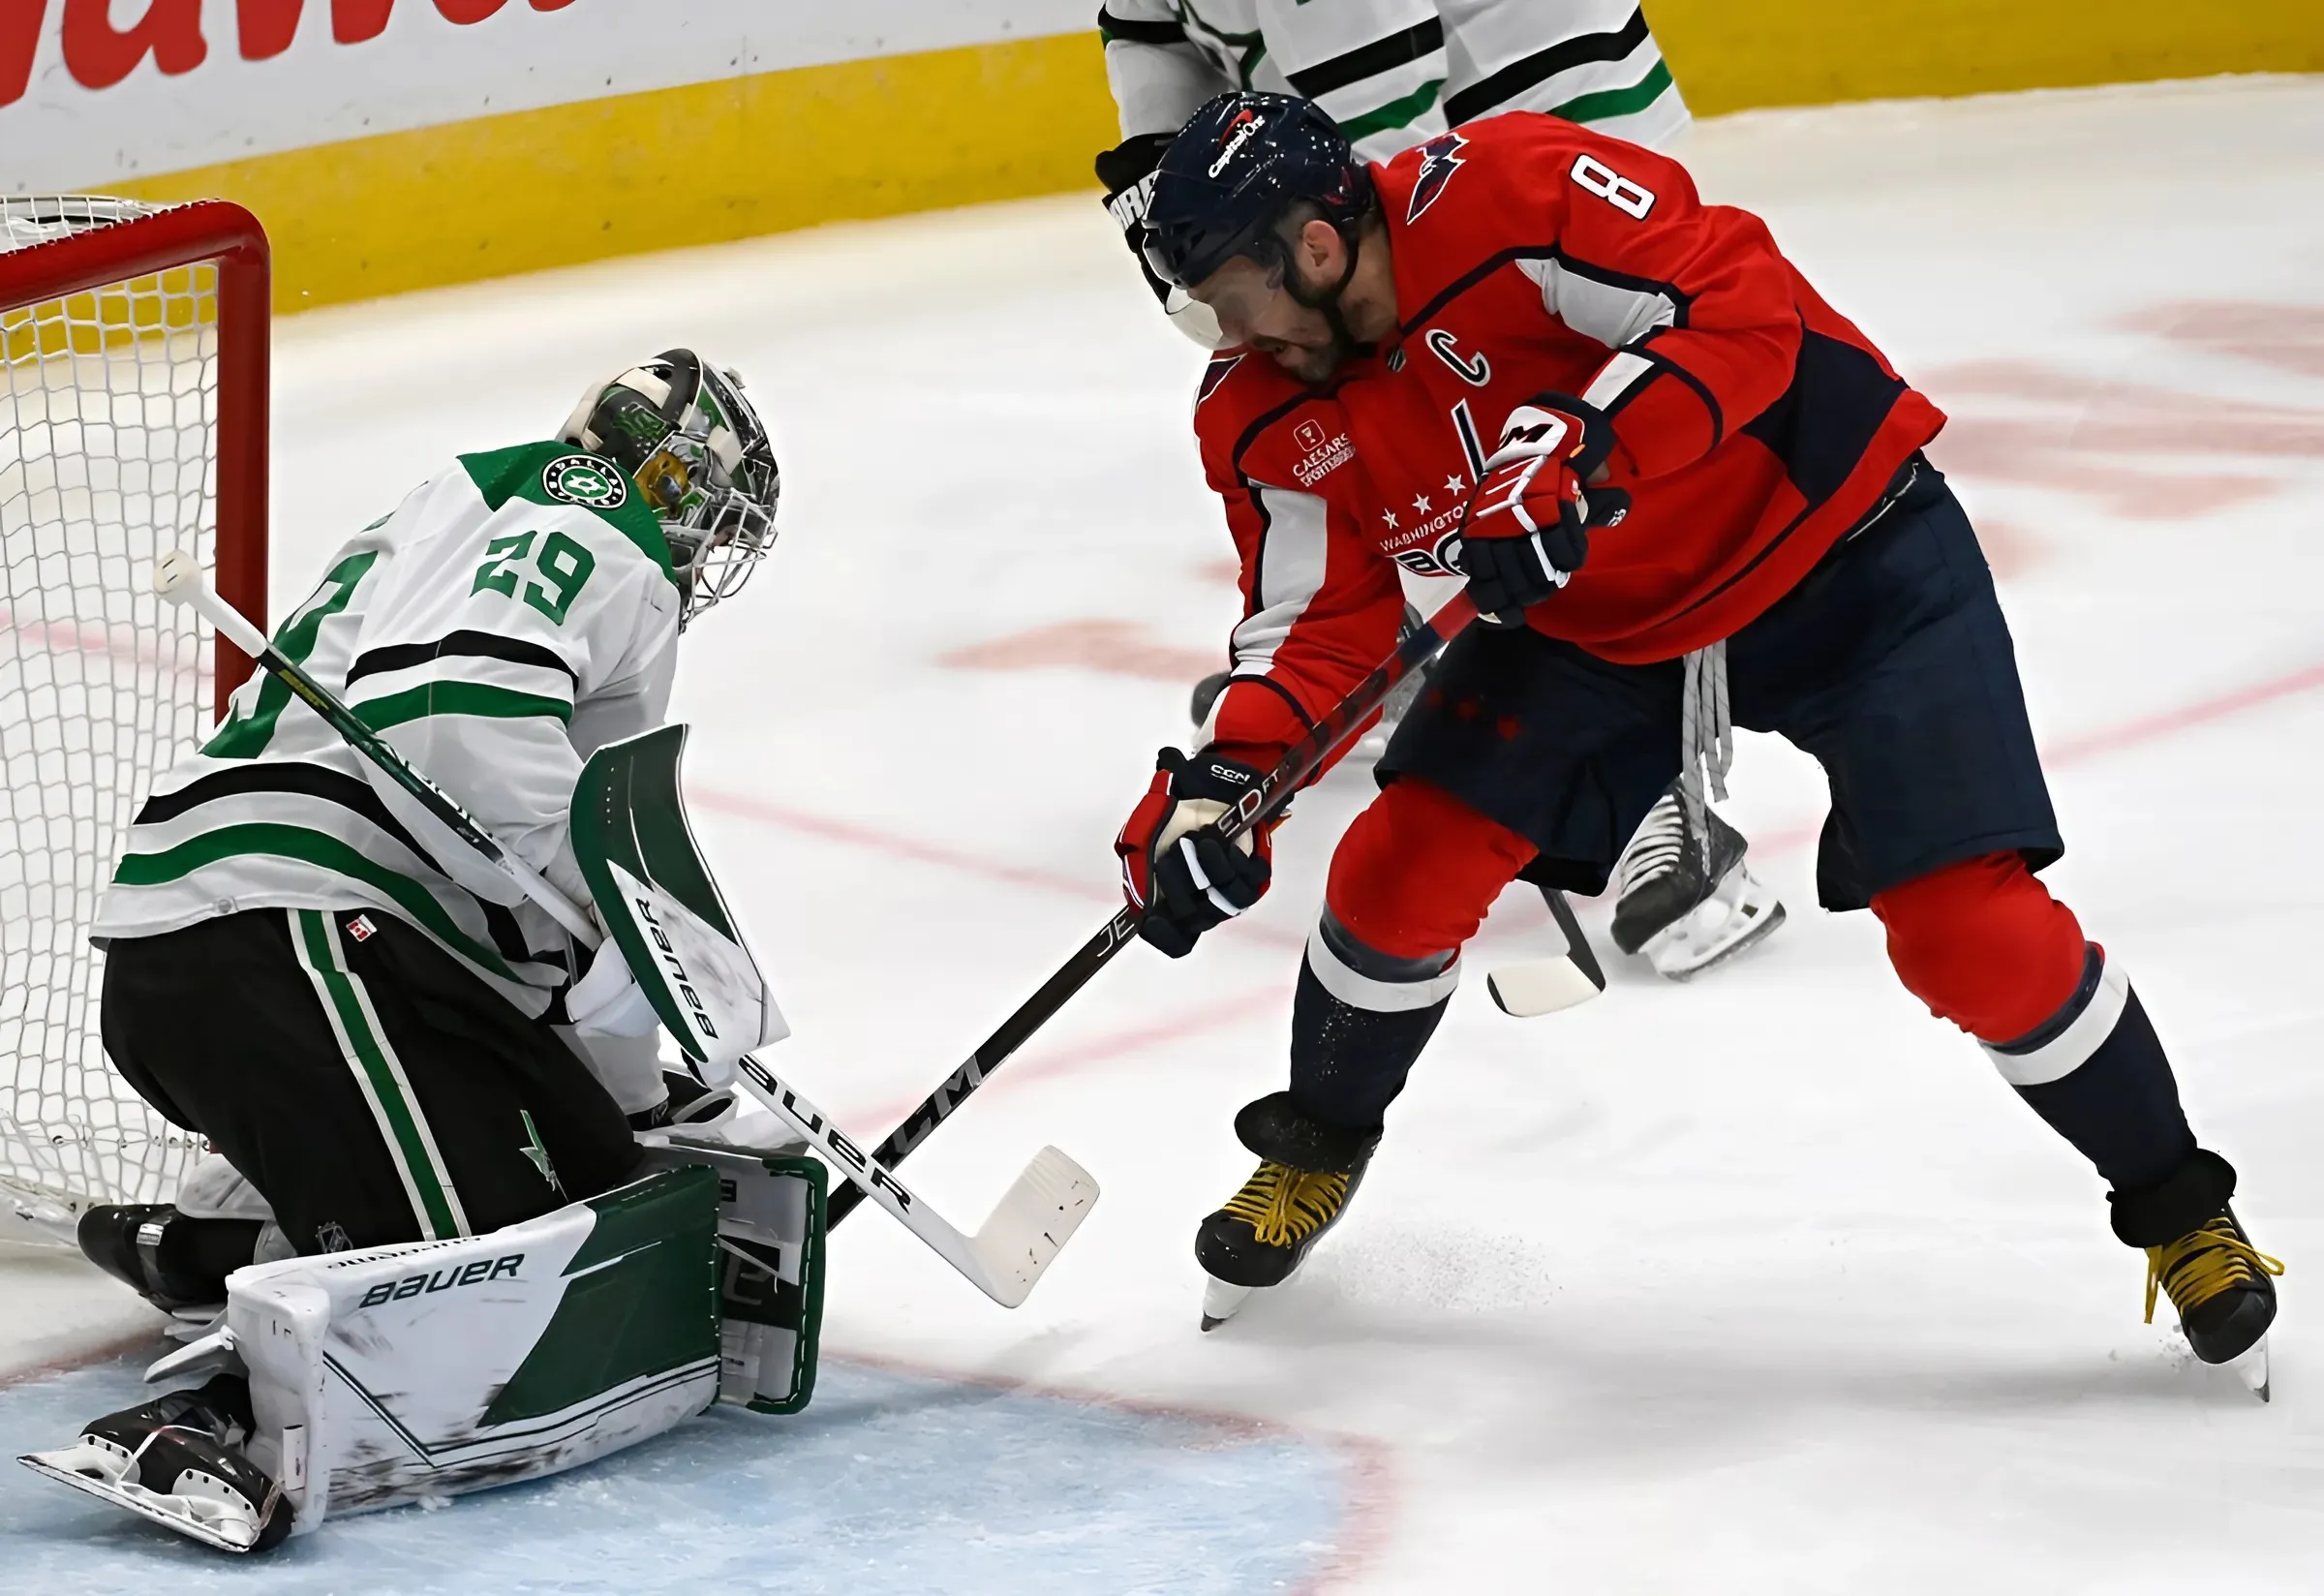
429 1369
771 1224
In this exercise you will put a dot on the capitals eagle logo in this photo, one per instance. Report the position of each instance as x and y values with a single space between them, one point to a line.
1440 157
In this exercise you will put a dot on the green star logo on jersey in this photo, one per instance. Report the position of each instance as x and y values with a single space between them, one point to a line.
583 480
538 1154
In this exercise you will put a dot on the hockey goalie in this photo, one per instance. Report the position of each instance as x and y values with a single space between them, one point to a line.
448 1238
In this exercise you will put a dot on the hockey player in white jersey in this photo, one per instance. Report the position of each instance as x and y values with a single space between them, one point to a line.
400 1063
1394 74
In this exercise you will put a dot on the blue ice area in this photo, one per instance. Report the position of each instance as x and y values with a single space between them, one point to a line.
902 1483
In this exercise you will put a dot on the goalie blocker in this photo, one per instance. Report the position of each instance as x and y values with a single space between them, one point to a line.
362 1380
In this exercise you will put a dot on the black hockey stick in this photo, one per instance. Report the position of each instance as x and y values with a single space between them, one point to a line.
1577 946
1263 802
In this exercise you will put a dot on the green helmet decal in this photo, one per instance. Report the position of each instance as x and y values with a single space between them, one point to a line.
686 435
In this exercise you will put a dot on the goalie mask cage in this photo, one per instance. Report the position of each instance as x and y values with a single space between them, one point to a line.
132 421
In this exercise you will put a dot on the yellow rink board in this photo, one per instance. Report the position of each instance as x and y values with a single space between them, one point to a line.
1731 55
698 165
745 156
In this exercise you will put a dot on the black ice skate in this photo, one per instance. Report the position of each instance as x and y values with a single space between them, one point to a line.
178 1460
2222 1286
177 1264
1306 1175
1683 915
2198 1255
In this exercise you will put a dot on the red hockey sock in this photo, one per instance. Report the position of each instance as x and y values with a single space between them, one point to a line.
1417 870
1984 945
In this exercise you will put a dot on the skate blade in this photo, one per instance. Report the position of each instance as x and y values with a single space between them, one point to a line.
1681 968
2251 1368
213 1523
1220 1301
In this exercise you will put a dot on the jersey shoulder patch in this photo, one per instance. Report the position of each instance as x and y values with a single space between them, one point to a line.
1439 159
560 474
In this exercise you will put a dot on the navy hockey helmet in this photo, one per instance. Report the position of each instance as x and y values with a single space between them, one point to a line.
685 433
1234 169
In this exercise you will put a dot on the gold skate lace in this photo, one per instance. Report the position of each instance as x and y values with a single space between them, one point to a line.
1284 1205
2203 1263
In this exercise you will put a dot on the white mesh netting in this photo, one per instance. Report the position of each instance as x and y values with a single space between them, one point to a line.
107 435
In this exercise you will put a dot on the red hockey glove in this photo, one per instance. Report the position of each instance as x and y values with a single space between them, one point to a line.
1176 870
1527 528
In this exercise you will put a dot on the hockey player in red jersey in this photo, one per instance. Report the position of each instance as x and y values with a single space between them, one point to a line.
1685 493
1394 74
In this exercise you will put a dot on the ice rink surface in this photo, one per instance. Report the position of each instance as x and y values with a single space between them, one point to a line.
1764 1283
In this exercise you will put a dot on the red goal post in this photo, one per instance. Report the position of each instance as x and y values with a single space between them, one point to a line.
93 258
134 414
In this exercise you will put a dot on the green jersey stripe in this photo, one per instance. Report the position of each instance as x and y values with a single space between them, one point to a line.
1612 103
459 699
247 739
290 841
1397 113
411 1144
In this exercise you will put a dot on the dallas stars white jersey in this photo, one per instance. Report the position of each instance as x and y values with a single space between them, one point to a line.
515 613
1395 73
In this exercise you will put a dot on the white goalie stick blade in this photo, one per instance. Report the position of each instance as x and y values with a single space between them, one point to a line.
105 1474
1031 1225
1022 1238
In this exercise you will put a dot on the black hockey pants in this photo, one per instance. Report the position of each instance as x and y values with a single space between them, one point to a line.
369 1085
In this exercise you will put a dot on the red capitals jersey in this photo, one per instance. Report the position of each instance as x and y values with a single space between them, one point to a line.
1751 423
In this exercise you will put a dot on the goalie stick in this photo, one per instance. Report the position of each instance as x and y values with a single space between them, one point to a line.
1025 1232
1265 798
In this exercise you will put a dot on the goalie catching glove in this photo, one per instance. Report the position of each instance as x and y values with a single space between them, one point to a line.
1178 873
1527 529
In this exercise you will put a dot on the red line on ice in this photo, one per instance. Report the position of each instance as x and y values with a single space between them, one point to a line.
2147 728
896 845
892 843
2129 734
1109 1046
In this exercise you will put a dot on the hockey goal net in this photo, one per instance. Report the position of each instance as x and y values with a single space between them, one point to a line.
132 421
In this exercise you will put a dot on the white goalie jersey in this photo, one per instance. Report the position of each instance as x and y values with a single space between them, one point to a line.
513 614
1395 73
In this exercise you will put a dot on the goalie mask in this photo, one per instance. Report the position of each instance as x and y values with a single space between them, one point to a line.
686 435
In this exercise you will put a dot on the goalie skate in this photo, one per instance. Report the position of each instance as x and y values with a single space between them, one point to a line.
178 1462
1686 917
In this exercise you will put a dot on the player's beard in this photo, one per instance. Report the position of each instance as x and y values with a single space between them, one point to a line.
1317 363
1314 363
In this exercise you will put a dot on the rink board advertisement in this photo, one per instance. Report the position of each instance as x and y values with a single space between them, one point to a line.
94 93
395 145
